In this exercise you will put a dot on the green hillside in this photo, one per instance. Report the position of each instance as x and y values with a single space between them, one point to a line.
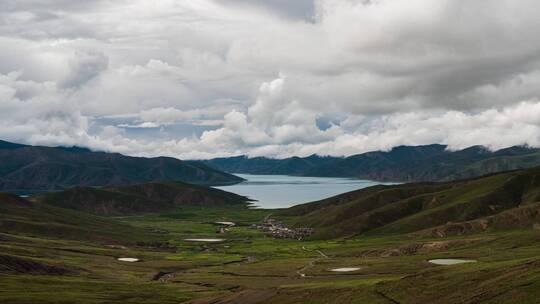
501 201
22 217
141 198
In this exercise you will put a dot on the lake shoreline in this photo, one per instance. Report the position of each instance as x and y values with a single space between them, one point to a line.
284 191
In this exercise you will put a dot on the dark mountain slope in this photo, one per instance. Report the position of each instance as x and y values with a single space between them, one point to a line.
9 145
22 217
142 198
403 163
45 168
506 200
394 165
263 165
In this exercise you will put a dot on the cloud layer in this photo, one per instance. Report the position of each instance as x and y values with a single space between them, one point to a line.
197 79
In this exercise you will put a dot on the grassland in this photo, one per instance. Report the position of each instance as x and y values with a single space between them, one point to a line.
498 202
250 267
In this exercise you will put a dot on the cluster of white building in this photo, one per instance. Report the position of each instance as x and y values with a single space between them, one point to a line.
279 230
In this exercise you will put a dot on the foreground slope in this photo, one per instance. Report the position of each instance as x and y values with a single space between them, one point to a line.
46 168
141 198
22 217
508 200
403 163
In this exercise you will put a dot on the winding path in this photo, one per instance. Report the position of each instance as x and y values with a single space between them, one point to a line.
301 271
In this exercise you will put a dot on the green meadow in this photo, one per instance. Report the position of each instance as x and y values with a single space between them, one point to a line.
251 267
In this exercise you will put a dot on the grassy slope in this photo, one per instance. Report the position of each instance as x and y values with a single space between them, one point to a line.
142 198
413 207
22 217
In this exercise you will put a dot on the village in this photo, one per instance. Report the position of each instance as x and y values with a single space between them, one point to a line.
278 230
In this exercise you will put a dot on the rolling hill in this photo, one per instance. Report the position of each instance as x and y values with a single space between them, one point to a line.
503 201
141 198
25 168
19 216
403 163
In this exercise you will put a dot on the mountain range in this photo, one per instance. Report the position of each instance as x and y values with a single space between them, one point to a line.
30 168
403 164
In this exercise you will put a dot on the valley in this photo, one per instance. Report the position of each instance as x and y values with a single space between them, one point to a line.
473 240
269 152
250 267
58 255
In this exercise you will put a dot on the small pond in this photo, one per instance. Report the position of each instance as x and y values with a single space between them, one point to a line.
345 269
450 261
205 240
130 260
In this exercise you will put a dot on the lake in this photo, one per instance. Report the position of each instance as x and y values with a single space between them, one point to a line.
283 191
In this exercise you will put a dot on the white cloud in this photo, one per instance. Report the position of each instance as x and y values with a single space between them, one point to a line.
85 67
142 125
261 74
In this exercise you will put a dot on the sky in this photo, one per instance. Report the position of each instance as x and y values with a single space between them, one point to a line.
208 78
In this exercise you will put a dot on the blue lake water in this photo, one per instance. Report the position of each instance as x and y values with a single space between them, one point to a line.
282 191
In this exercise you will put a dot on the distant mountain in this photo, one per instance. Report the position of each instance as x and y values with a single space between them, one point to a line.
142 198
264 165
501 201
48 168
403 163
